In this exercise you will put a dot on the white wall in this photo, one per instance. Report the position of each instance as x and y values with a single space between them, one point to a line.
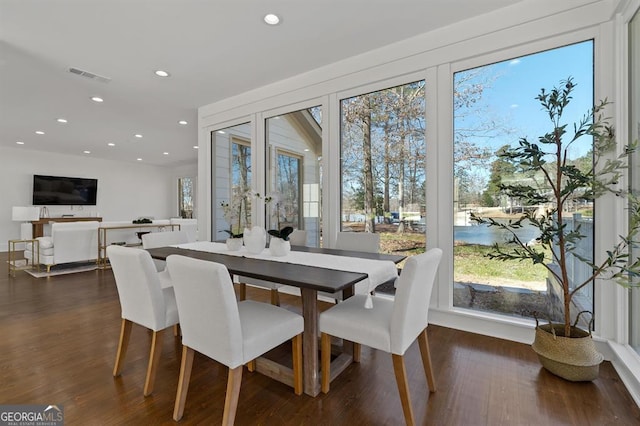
125 190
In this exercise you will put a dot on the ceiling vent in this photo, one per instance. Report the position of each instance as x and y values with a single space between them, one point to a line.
89 75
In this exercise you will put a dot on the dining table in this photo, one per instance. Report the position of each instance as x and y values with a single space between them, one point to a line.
309 279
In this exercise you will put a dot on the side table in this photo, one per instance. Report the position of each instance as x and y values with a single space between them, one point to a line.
16 264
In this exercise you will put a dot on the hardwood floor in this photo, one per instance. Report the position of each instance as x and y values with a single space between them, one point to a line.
58 346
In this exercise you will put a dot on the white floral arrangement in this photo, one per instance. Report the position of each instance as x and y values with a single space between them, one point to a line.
233 212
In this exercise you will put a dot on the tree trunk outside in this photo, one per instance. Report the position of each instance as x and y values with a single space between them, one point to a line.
369 205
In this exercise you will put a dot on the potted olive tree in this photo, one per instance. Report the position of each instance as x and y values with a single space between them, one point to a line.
555 182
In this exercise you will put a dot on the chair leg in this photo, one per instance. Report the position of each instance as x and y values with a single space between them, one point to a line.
154 359
251 366
356 351
423 341
243 291
183 382
275 297
325 362
176 330
123 344
233 393
403 388
297 364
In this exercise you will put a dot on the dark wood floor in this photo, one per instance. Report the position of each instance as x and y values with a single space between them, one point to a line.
59 338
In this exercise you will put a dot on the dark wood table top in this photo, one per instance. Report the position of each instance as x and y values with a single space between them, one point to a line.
302 276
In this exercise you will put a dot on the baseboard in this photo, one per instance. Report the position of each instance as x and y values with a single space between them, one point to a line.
514 329
626 361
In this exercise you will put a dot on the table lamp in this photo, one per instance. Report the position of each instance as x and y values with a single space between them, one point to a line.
25 215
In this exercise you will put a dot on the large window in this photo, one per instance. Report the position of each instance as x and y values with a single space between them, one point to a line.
383 166
186 197
294 172
494 107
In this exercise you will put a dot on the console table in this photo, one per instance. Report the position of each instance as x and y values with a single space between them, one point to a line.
102 236
37 226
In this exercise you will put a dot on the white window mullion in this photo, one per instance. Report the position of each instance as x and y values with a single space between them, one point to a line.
440 179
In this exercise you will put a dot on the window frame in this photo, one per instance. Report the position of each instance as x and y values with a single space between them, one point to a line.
477 321
595 221
300 173
434 61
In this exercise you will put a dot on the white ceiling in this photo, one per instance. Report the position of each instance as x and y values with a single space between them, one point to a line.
212 48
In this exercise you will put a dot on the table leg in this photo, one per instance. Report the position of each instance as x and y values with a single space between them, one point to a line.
310 342
11 264
102 248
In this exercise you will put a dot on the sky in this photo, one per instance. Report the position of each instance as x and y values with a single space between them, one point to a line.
511 96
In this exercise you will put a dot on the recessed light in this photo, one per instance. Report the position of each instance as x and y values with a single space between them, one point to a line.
195 147
271 19
61 120
87 152
222 132
20 143
111 144
139 159
97 99
39 132
183 122
306 150
138 135
165 153
161 73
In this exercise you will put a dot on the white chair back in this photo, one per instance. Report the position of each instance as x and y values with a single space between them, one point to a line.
74 241
298 237
141 295
413 295
164 239
189 226
209 315
358 241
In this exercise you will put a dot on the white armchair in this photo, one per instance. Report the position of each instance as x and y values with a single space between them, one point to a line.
69 242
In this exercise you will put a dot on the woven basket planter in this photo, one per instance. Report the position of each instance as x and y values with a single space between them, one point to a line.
572 358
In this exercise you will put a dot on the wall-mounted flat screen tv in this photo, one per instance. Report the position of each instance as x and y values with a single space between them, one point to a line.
64 191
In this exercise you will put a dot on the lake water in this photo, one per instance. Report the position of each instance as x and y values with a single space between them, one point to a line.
486 235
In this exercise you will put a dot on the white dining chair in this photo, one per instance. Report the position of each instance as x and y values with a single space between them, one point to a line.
297 238
356 241
230 332
390 326
189 226
163 239
143 301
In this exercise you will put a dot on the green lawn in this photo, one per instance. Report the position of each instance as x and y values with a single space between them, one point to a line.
472 260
